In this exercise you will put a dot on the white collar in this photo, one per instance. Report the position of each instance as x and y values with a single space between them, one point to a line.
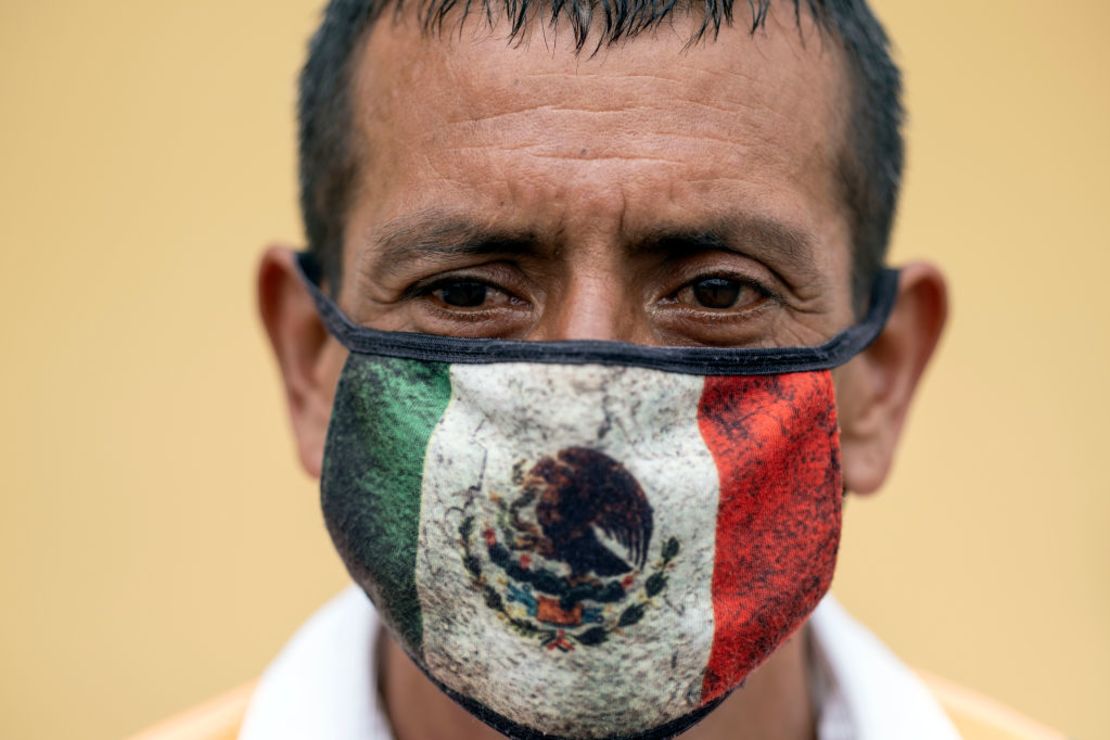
868 693
323 683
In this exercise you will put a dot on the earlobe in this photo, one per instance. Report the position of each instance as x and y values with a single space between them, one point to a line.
876 388
308 360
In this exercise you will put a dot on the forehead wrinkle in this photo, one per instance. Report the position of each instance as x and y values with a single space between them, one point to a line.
486 89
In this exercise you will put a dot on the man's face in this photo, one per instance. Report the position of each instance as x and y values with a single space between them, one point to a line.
651 193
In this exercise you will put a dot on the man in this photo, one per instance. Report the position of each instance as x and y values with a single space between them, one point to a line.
657 174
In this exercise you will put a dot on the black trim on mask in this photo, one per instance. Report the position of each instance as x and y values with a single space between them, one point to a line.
515 731
690 360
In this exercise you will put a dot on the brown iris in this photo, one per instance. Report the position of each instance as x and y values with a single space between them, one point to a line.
716 292
463 294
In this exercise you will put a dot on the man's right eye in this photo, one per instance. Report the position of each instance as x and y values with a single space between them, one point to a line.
462 293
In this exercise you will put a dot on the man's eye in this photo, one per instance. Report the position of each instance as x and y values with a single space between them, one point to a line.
462 293
720 293
716 292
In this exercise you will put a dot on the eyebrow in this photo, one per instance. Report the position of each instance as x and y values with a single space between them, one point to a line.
434 236
786 250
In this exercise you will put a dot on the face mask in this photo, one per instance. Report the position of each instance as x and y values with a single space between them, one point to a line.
586 539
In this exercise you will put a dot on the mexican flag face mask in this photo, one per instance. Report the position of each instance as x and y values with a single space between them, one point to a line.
586 539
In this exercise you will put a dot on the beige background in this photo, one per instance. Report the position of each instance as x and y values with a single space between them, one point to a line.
158 543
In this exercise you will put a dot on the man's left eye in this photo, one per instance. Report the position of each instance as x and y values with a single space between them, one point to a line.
716 292
719 293
462 293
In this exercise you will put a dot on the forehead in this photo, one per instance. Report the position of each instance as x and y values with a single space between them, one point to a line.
647 129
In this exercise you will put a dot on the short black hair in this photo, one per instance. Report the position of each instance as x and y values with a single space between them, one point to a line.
870 168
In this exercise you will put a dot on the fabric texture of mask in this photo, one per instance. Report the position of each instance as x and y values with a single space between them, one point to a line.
586 539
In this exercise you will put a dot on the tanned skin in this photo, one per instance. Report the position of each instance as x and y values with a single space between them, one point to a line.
524 191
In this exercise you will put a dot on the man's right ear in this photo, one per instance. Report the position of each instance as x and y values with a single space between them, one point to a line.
309 360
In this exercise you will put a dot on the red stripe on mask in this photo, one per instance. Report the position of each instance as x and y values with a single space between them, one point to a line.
774 441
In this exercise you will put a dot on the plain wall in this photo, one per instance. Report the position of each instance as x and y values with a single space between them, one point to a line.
158 542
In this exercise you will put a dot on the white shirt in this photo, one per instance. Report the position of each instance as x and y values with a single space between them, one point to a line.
323 684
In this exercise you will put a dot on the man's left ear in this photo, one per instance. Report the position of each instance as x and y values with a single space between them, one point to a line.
875 389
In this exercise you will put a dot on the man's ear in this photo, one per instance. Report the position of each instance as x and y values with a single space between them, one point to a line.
875 389
310 361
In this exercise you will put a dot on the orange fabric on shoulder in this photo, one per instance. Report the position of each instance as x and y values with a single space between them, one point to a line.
978 717
217 719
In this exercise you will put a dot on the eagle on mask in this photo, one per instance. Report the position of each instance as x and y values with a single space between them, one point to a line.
578 493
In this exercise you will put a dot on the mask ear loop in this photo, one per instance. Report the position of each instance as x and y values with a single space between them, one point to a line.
688 360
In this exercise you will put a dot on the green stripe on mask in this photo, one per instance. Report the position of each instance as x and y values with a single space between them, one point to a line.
385 411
